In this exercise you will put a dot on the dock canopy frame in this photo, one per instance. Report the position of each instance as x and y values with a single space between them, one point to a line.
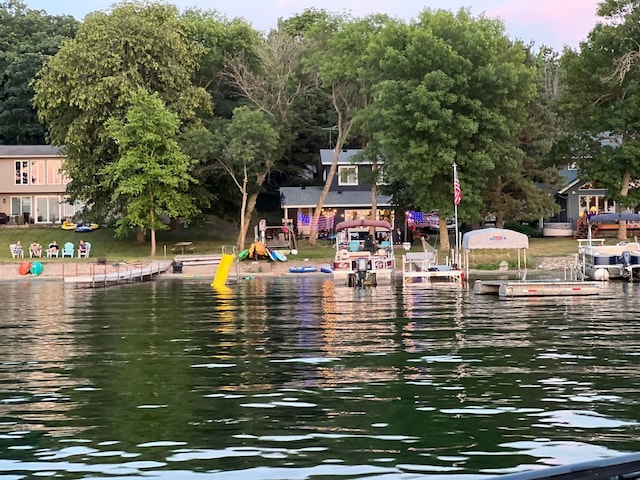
496 238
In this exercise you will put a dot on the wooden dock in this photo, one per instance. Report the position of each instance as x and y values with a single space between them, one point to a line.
506 289
118 274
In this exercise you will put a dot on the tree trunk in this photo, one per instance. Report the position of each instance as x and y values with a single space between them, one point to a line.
140 235
249 207
344 126
313 232
624 191
242 234
153 232
445 245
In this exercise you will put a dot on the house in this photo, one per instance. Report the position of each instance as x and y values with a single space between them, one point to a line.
578 198
32 187
349 196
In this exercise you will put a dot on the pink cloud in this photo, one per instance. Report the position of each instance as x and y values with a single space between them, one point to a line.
555 22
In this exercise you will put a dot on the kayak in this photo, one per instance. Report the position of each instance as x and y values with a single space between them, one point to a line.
278 256
243 254
306 269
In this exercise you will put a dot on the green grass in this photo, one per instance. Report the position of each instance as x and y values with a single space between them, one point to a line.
212 239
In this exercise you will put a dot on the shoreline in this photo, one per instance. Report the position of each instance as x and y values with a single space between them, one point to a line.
54 270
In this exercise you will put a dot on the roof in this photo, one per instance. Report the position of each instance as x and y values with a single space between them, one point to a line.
489 238
305 197
346 157
30 150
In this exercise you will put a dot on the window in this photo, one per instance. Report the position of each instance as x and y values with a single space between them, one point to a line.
54 177
22 172
348 175
38 172
20 205
47 209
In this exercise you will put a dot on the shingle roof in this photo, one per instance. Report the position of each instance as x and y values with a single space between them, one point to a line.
305 197
30 150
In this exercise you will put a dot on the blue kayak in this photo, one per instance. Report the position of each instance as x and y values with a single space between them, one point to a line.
306 269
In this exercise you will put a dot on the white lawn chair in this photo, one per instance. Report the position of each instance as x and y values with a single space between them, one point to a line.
15 252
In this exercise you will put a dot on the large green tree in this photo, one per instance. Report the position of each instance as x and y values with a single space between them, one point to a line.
604 108
92 77
151 176
452 88
345 78
27 39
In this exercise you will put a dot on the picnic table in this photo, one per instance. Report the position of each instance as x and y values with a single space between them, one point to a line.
182 246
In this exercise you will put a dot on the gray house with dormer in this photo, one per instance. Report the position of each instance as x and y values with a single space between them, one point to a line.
349 197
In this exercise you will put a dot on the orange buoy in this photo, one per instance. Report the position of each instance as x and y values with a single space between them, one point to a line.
24 268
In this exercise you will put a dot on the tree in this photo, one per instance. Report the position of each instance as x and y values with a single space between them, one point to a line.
452 88
27 39
151 176
603 107
250 143
343 76
92 77
272 86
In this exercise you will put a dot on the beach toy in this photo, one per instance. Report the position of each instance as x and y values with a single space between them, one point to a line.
24 268
36 268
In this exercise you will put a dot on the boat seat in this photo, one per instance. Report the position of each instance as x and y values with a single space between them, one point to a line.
354 246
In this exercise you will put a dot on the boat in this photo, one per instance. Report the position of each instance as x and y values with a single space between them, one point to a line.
243 254
600 262
67 225
358 261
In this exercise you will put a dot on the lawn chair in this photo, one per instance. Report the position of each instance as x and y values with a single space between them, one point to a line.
53 252
15 252
35 250
85 253
68 249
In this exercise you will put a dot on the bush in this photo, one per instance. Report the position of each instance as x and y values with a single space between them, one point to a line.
525 228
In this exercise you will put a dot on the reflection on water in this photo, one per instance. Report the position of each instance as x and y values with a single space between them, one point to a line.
298 378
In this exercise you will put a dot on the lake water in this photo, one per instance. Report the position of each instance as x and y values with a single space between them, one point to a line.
294 378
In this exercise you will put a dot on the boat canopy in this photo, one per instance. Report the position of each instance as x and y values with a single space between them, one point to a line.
494 238
363 223
614 217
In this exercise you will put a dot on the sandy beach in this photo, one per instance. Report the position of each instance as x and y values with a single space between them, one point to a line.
55 269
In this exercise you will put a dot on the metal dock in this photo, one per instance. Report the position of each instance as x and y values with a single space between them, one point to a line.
117 274
422 267
506 289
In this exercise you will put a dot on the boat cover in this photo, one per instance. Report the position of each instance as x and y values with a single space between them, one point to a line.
363 223
494 238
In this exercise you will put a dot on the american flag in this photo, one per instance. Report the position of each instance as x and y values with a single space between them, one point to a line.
457 193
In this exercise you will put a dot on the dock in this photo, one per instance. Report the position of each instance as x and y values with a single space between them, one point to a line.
117 274
506 289
421 267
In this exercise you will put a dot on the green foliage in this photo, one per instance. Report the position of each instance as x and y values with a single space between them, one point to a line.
603 107
151 176
27 39
92 77
451 88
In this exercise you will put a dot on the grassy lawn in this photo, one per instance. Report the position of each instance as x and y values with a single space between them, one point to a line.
211 240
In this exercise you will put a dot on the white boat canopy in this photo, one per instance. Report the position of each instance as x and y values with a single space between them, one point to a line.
496 238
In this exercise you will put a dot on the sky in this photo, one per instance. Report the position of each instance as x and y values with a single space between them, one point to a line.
553 23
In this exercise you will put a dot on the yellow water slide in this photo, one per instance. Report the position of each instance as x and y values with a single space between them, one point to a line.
222 272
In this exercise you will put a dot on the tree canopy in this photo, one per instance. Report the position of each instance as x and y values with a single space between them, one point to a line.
27 39
93 76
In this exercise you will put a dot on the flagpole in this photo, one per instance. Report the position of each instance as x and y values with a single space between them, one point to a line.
455 212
